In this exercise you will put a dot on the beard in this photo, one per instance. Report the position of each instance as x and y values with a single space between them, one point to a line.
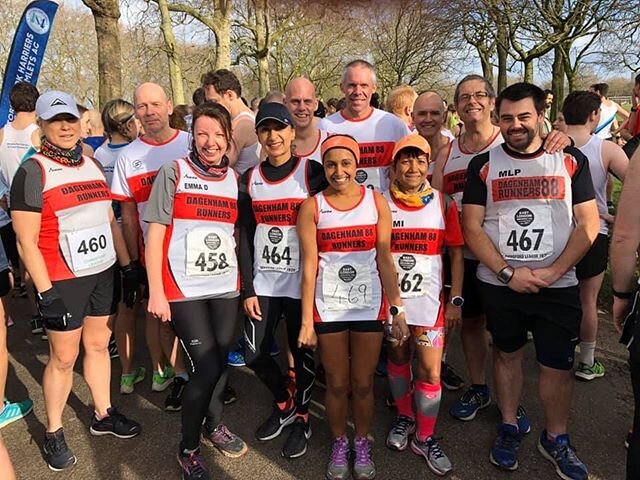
523 142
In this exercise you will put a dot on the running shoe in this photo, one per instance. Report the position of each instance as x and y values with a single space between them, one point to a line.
449 378
128 380
338 467
563 456
15 411
296 443
586 372
229 395
235 358
36 325
193 466
227 443
161 380
398 437
275 423
113 348
115 424
504 453
475 398
173 402
363 466
56 452
431 451
524 425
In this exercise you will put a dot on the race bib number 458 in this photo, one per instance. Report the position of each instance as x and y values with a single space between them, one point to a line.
526 233
210 252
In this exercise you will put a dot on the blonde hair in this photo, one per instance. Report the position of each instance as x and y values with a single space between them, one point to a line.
401 97
115 115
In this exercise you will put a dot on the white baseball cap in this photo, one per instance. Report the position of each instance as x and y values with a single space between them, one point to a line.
53 103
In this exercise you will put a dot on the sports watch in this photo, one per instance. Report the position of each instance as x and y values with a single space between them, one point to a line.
506 274
396 310
457 301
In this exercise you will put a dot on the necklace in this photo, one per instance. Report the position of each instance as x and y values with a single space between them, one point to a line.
473 151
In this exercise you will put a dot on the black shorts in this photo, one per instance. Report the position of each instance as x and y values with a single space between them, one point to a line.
594 261
10 245
473 306
362 326
117 286
90 295
5 282
553 316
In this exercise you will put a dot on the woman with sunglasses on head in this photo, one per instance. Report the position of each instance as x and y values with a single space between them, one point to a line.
348 275
194 280
68 238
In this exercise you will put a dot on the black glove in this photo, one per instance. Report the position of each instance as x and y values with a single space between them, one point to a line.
141 272
130 282
53 311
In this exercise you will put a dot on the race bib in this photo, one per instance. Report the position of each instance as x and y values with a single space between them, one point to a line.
374 178
413 272
277 248
526 233
346 286
91 247
210 252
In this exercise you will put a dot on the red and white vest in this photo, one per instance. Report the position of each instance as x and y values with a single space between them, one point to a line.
199 249
348 286
75 231
276 265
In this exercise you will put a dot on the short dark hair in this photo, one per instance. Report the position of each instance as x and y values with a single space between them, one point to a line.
578 105
520 91
198 97
222 80
601 88
217 112
548 92
23 97
487 85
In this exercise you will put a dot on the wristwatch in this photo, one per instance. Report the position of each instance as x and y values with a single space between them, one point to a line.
396 310
506 274
457 301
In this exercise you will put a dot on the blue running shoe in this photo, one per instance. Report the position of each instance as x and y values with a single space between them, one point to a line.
504 453
235 358
524 426
15 411
563 456
475 398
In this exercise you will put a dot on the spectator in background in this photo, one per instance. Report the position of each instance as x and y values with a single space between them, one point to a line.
92 128
400 102
255 103
547 125
332 106
177 119
453 123
375 100
609 110
273 96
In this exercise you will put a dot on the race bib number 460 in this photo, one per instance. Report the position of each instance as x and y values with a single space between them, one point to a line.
277 248
526 233
346 286
413 274
91 247
210 252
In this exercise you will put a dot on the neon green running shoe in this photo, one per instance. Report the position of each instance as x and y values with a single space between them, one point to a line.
589 372
127 381
161 381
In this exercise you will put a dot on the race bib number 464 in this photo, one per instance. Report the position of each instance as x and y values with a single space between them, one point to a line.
526 233
277 248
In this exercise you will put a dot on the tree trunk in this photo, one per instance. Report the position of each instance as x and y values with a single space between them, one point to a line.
262 46
528 70
487 66
223 44
503 41
175 72
109 58
557 81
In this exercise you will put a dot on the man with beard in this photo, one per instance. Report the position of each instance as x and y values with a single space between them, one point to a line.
529 217
301 101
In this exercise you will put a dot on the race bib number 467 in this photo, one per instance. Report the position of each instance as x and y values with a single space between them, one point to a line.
526 233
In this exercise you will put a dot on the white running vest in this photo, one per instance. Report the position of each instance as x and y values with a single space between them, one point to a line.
75 230
529 210
199 250
315 153
417 244
15 144
599 176
249 156
348 286
276 265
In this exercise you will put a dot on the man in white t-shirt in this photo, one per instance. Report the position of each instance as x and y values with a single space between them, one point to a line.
301 100
376 131
133 176
223 87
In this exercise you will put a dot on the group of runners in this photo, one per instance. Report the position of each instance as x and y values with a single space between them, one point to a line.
353 230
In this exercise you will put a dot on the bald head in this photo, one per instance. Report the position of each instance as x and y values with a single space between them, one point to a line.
300 99
428 114
152 108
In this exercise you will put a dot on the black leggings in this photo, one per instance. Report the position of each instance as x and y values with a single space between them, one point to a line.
259 337
633 454
205 329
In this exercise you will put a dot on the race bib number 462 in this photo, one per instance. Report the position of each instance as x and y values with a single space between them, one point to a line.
210 252
413 274
526 233
277 248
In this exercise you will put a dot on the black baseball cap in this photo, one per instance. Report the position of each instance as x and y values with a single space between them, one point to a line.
274 111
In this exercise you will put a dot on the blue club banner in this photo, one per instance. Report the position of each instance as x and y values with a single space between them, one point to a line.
27 51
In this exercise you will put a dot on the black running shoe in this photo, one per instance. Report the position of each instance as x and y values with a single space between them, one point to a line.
273 426
296 444
115 424
173 403
193 466
56 452
449 378
229 395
